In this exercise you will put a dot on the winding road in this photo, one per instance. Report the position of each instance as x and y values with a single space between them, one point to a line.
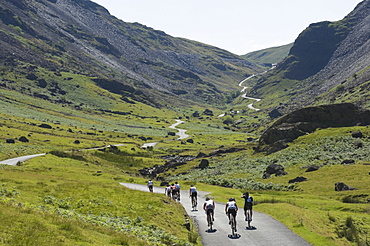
267 232
245 88
181 133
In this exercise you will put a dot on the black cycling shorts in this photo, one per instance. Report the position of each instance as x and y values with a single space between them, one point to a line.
248 207
209 211
194 194
232 211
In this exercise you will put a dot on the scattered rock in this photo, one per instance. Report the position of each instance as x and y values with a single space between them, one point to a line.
312 168
297 180
46 126
9 140
201 155
190 140
204 163
357 134
348 162
340 186
274 168
358 143
77 142
208 112
23 139
275 114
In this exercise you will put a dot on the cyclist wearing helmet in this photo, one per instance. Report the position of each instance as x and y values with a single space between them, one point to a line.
231 208
209 206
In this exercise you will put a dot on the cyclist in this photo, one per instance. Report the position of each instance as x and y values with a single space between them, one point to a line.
193 194
173 191
150 185
209 207
177 188
248 204
231 208
167 190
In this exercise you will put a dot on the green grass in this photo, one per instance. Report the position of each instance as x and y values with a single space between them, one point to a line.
70 198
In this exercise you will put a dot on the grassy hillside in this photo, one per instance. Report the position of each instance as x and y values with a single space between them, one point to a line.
270 55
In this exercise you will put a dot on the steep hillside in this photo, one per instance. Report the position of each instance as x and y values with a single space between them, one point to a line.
270 55
328 63
45 37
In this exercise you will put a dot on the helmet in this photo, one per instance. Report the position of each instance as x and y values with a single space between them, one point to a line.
231 199
207 199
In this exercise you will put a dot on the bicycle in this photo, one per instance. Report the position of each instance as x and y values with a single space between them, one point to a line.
176 196
232 224
194 202
150 188
248 218
209 221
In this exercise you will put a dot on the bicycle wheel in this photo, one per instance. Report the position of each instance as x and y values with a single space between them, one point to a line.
248 216
232 225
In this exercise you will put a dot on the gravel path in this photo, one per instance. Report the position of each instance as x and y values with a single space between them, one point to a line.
267 232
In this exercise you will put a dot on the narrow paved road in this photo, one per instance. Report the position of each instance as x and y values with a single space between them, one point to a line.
14 161
267 232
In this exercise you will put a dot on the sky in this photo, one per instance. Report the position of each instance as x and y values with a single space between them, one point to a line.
239 26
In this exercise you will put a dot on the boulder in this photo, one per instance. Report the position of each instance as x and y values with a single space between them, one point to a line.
208 112
196 114
274 168
297 180
357 134
348 162
340 186
23 139
358 143
275 114
204 163
201 155
190 140
46 126
312 168
9 140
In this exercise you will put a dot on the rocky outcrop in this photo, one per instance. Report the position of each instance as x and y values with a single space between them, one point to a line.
307 120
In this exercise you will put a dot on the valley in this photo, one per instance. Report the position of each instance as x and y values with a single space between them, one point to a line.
147 106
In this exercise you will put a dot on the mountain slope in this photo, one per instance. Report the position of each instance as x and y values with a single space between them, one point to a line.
81 37
270 55
328 63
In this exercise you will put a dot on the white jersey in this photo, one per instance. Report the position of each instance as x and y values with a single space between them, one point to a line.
193 189
209 204
177 186
231 205
150 182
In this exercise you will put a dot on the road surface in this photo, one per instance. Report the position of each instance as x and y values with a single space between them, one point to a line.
14 161
267 232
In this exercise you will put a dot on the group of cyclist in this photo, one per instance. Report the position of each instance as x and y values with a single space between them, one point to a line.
231 208
173 191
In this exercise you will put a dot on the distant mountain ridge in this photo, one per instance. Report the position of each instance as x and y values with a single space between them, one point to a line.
81 37
328 63
270 55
